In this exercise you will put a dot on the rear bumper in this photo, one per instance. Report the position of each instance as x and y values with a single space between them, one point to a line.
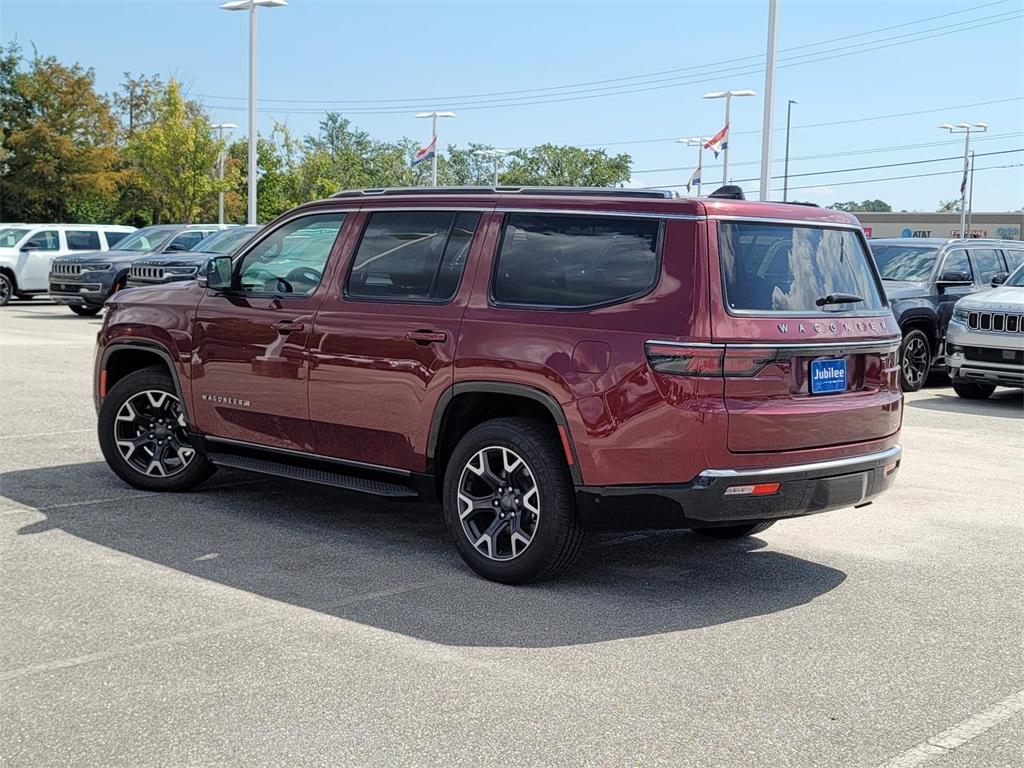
804 489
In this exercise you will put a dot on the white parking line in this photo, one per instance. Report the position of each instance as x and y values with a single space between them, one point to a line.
961 733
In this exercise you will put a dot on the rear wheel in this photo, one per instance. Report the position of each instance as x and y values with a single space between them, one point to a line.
509 504
735 531
915 360
6 289
971 391
144 437
84 310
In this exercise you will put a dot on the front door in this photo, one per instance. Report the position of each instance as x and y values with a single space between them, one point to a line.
383 348
948 295
37 254
249 365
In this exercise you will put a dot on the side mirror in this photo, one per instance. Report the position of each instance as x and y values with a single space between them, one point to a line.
174 247
956 278
218 274
999 279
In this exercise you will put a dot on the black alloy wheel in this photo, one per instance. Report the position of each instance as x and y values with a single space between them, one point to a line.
6 289
915 360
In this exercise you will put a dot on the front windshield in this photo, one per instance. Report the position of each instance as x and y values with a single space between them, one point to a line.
913 263
225 242
148 239
1017 278
11 236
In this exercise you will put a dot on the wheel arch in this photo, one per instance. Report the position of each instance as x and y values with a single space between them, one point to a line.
922 319
122 358
468 403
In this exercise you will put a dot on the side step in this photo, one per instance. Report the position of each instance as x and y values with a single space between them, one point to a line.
310 475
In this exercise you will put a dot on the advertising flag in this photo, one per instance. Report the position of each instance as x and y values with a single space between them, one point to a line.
719 141
425 153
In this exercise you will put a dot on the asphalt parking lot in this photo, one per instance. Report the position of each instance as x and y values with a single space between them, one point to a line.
264 623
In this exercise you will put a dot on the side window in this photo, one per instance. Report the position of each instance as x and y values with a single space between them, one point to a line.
957 261
412 256
113 238
290 261
47 240
82 240
1013 258
562 261
185 241
989 263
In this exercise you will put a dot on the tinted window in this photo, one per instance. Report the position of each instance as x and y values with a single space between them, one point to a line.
48 240
989 263
783 268
290 261
957 261
148 239
574 261
10 236
186 241
227 241
82 240
412 255
114 237
904 262
1013 259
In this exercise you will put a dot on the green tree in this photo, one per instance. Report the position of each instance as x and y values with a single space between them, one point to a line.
138 101
551 165
866 206
173 159
949 206
59 154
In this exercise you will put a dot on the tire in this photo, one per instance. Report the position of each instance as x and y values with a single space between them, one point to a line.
84 310
915 360
6 289
531 524
735 531
971 391
26 296
150 396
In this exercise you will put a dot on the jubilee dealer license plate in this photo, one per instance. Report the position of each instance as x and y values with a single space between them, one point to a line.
828 376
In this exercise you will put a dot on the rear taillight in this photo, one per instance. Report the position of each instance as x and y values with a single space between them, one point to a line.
693 360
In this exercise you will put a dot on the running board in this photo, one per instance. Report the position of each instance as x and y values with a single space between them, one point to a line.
311 475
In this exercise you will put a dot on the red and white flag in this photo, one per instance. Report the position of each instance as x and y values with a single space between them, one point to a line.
719 141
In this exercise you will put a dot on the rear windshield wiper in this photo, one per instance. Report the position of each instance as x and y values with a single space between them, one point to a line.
838 298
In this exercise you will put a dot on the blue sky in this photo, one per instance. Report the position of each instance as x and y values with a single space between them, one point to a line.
316 53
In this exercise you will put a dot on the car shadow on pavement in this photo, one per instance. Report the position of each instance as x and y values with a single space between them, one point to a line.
390 565
1004 403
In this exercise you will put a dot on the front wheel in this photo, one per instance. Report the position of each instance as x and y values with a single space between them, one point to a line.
971 391
84 310
915 360
144 436
735 531
509 503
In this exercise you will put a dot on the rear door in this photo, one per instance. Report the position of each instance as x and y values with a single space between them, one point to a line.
809 341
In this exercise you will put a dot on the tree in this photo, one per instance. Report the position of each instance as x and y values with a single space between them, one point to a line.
867 206
949 206
173 159
59 154
138 101
551 165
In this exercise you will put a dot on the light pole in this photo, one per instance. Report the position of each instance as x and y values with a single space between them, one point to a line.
727 95
769 101
495 155
250 6
785 172
965 129
699 143
433 138
221 157
970 199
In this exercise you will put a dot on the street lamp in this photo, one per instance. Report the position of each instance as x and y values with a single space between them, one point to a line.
698 142
433 139
495 155
727 95
250 6
965 129
221 157
785 173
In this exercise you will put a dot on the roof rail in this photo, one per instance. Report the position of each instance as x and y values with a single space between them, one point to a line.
660 194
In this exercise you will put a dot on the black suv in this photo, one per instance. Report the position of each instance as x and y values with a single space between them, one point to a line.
83 281
924 278
184 265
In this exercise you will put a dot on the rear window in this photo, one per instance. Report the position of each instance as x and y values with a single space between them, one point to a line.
792 268
572 262
82 240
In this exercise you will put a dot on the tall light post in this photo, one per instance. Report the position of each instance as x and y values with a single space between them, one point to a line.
785 172
433 138
769 101
495 155
250 6
698 142
965 129
221 158
727 95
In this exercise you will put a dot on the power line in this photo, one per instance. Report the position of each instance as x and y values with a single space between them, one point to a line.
904 178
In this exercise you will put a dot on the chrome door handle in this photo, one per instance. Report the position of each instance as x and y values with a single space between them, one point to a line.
286 326
426 337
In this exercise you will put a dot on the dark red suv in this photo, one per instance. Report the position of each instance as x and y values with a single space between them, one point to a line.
543 361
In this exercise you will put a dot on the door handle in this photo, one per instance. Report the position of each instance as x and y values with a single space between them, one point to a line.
426 337
286 326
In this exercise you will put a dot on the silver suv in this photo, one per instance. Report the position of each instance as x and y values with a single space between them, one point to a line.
985 339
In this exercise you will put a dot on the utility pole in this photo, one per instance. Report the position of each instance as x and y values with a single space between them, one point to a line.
965 129
785 173
221 160
769 88
970 197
